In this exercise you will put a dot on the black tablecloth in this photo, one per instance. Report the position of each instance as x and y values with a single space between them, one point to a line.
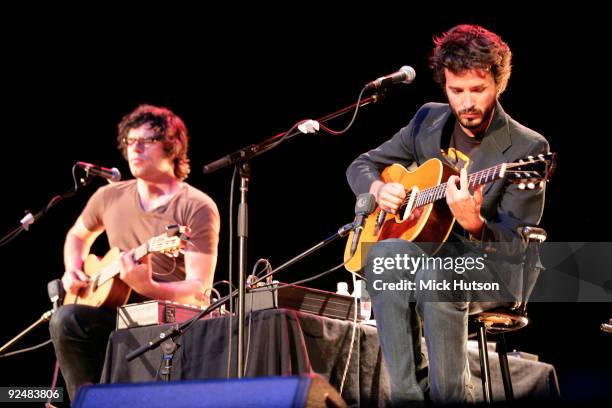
286 342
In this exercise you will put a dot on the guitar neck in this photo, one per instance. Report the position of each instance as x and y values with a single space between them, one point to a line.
141 251
113 269
482 177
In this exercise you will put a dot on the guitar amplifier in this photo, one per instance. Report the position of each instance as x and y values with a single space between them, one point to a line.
303 299
300 298
155 312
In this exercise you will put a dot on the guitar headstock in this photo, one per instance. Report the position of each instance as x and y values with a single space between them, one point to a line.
532 171
172 242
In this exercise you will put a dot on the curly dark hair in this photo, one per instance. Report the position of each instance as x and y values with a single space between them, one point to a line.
465 47
168 126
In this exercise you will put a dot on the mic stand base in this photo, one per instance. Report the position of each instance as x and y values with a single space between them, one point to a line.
168 347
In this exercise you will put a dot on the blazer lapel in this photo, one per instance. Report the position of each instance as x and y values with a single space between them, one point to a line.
495 142
430 144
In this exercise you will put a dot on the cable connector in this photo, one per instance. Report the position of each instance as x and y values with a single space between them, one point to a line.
309 126
27 220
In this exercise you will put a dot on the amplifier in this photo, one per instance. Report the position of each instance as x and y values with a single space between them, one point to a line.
154 312
303 299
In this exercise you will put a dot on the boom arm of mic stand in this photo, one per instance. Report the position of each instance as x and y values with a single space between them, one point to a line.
248 152
343 231
29 219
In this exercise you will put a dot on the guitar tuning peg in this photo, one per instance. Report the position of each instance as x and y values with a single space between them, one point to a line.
521 186
530 185
542 184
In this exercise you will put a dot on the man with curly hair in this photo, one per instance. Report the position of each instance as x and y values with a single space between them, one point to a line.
471 132
154 141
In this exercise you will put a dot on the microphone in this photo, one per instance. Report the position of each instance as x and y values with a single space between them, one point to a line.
56 292
365 205
109 174
405 75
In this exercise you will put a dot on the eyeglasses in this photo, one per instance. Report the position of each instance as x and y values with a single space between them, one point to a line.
129 141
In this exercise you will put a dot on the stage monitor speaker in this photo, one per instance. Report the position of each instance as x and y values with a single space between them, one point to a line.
298 391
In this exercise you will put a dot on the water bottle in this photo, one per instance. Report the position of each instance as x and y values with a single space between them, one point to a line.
365 302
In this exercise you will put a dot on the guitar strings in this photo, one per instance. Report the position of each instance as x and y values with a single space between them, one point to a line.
102 275
432 194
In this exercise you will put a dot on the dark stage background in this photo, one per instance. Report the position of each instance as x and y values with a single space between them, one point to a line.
237 79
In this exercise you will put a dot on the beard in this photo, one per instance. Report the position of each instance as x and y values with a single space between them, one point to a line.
481 119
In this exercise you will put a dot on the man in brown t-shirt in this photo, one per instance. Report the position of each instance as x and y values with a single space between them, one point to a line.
154 141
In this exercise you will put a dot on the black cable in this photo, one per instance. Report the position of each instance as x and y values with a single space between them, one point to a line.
285 285
11 235
284 136
339 132
249 330
56 199
25 350
267 267
231 286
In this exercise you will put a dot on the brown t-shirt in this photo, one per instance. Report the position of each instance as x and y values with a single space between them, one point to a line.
116 207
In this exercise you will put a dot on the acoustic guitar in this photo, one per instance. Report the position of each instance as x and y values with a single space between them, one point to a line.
425 189
105 288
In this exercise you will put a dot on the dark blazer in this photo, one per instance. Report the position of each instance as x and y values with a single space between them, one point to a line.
505 207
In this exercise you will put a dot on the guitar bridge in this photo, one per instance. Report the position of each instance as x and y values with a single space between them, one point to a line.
410 204
94 283
379 221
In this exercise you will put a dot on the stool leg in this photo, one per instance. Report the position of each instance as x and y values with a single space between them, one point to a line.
485 373
505 368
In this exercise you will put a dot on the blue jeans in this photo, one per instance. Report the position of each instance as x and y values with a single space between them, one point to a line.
399 314
80 334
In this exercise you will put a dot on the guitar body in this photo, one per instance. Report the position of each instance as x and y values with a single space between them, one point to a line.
105 287
109 294
432 222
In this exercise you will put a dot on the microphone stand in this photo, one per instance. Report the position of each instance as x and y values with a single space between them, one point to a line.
29 219
56 295
243 233
242 158
177 330
254 150
42 319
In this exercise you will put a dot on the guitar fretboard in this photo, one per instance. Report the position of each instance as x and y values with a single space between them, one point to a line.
432 194
113 269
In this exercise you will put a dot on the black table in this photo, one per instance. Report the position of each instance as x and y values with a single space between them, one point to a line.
286 342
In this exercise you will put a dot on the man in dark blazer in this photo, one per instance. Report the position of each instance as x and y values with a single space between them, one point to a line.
470 133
